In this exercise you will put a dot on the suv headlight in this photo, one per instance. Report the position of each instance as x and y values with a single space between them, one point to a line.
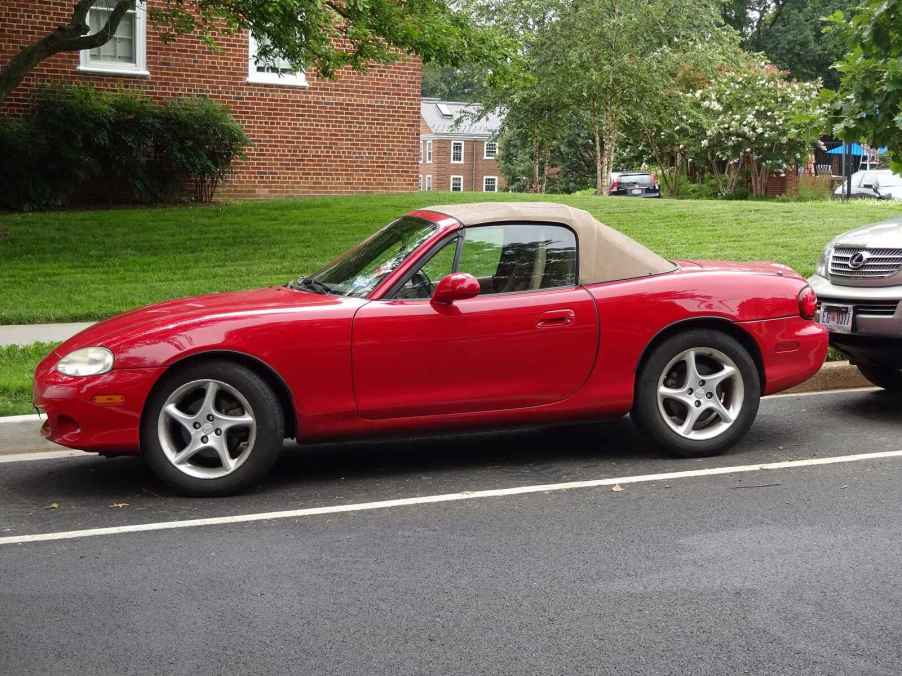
823 263
88 361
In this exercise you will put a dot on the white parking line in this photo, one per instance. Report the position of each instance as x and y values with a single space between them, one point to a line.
447 497
44 455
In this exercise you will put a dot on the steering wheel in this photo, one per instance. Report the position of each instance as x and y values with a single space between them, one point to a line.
421 284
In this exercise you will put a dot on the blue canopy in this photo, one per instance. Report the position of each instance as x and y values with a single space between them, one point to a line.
854 149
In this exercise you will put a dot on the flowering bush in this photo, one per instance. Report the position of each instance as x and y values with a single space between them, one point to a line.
754 119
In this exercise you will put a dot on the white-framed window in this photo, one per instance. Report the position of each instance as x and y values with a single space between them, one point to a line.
274 70
457 152
126 52
490 150
489 184
428 182
457 184
428 152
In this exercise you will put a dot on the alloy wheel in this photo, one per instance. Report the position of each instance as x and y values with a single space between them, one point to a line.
207 429
700 393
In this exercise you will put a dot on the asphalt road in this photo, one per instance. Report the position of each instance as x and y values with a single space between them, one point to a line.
788 570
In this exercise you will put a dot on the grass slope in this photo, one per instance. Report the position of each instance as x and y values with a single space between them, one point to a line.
82 265
16 369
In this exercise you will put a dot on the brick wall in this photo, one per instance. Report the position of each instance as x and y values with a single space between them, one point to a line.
355 134
473 169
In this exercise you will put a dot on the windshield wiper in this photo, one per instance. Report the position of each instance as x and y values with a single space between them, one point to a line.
310 284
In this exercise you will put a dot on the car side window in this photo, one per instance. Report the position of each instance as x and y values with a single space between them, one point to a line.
519 257
423 281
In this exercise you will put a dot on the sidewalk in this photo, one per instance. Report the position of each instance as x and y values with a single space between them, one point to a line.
25 334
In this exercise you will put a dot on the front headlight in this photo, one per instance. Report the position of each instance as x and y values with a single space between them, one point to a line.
88 361
823 263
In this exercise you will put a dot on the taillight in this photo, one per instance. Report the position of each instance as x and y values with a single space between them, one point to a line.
615 185
654 180
807 303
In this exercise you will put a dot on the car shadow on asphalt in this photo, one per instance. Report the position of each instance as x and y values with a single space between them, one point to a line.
561 452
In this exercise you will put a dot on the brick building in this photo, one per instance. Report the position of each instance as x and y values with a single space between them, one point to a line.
458 152
357 133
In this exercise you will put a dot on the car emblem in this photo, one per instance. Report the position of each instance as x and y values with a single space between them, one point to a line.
859 259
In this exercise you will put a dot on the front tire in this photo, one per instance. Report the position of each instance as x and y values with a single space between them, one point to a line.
889 379
212 428
698 393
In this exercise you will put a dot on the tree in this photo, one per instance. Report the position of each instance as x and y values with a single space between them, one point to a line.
756 120
868 106
792 34
452 83
322 34
601 57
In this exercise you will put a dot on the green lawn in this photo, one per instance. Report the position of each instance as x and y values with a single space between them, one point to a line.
81 265
16 368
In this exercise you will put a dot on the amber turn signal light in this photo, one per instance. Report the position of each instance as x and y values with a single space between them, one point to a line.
108 399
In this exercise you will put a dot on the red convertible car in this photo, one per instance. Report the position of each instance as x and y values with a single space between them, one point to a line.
454 316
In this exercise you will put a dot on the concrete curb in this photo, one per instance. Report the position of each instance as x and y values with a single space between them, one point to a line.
834 375
20 433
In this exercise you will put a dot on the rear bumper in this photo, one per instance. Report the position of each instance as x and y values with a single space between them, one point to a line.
792 350
94 413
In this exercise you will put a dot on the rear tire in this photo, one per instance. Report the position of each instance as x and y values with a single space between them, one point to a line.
882 376
212 428
697 394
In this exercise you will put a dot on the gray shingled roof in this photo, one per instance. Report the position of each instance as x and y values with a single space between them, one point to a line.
461 119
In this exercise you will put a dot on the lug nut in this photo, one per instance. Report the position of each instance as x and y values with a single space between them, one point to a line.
697 403
709 395
701 383
210 417
205 439
689 391
218 432
197 425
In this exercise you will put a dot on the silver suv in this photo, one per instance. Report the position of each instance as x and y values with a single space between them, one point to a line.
859 286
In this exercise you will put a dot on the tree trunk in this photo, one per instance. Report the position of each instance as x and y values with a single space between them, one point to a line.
609 143
71 37
536 165
599 162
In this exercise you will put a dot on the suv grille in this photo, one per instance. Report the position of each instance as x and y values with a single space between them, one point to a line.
878 263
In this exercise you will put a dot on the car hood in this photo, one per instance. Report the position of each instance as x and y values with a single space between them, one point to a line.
171 318
883 235
759 267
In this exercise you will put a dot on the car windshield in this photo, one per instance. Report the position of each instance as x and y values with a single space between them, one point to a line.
357 271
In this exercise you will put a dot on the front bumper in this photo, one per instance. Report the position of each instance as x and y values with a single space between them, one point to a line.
93 413
876 336
877 309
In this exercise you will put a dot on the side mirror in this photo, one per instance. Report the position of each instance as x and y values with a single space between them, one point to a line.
456 286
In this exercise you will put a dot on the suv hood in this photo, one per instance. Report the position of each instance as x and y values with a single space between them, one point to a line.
883 235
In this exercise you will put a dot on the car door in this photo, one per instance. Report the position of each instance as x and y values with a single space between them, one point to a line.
529 338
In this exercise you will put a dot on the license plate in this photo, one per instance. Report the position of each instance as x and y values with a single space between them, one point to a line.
837 318
638 191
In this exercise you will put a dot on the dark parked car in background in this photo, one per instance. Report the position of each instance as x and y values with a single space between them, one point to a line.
634 184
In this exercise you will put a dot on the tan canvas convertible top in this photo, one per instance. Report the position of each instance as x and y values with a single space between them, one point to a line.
605 255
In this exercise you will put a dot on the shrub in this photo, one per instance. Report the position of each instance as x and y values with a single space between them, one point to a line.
198 142
84 146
